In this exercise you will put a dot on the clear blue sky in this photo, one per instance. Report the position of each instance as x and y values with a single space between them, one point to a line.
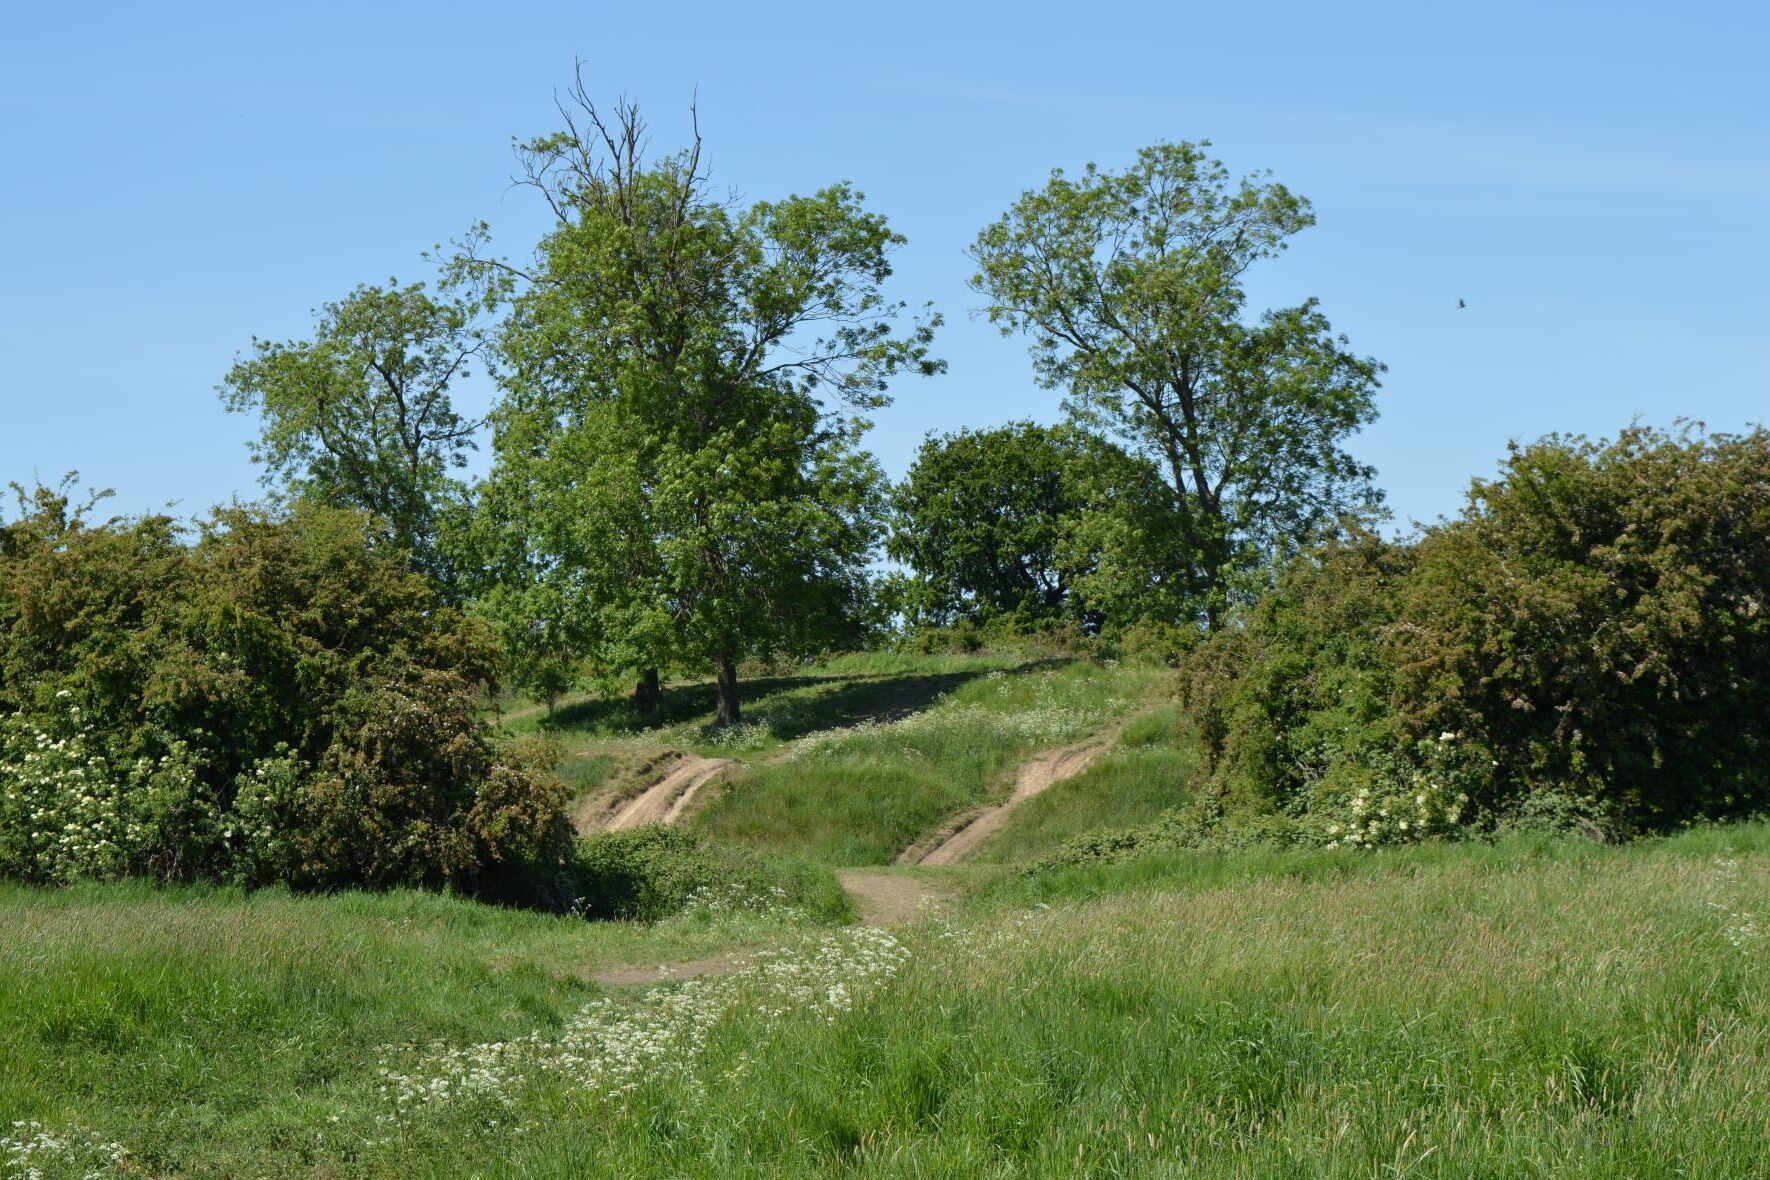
1593 179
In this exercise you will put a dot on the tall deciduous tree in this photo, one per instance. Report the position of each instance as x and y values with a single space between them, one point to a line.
1130 287
360 415
677 450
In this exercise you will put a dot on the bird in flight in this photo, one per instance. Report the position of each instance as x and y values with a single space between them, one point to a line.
1460 303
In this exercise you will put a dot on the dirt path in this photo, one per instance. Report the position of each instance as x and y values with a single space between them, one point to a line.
1042 772
885 898
670 972
665 800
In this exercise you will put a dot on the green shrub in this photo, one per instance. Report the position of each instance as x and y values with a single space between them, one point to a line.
650 873
1586 646
1600 620
283 700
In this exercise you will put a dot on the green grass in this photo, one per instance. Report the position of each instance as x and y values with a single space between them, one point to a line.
860 795
1150 770
214 1032
1535 1007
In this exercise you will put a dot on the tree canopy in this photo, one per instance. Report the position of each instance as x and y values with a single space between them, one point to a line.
360 415
678 479
1130 287
1034 523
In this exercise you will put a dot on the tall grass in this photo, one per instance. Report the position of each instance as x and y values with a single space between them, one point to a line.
217 1033
1538 1007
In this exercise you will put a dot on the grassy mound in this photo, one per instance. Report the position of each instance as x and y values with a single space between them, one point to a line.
1149 771
860 795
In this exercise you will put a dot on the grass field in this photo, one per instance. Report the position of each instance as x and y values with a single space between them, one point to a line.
1532 1008
1537 1006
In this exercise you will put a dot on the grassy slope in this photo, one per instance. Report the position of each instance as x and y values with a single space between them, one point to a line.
1145 774
860 795
605 745
1533 1008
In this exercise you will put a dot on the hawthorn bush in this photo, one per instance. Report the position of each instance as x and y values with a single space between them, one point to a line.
279 698
1587 644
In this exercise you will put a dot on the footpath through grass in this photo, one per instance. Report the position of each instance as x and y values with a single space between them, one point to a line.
605 745
221 1034
1541 1007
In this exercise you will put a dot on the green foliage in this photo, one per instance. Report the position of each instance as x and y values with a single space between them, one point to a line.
1600 620
1300 692
1035 523
672 489
1584 647
655 872
284 700
360 416
1129 284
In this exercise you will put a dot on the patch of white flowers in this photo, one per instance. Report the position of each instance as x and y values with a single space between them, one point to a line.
743 736
35 1152
612 1047
1741 929
736 897
1413 805
68 811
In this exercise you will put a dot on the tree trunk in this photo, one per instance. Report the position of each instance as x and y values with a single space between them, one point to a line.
648 694
728 713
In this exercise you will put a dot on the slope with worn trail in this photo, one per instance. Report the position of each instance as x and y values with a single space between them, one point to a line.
962 838
665 801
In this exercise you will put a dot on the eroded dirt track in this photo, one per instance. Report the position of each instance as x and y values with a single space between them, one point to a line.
666 800
962 838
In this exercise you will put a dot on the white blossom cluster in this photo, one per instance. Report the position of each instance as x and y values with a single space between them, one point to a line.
744 736
1741 929
67 810
611 1047
36 1152
1401 810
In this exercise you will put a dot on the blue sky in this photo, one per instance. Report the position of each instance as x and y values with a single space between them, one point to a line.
1593 180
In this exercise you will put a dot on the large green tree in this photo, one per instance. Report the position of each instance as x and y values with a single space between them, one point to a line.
678 474
1036 522
1130 287
360 415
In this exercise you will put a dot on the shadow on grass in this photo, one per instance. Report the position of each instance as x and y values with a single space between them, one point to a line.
782 703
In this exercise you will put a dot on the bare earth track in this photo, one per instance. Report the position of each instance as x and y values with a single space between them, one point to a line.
962 838
665 801
884 898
